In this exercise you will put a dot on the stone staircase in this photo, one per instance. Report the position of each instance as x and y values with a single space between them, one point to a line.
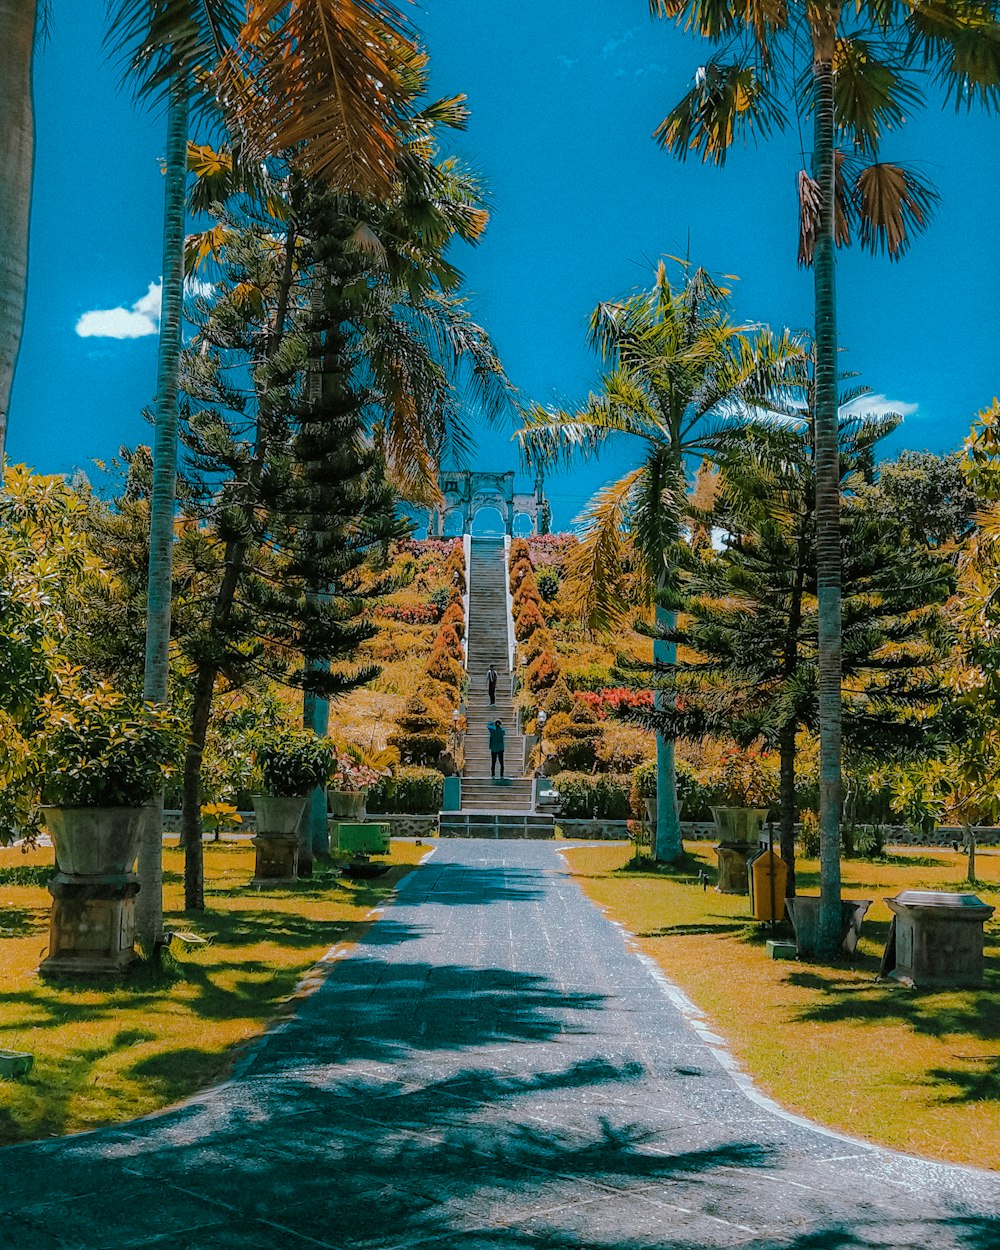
491 807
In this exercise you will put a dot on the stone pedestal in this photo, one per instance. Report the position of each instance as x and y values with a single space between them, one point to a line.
92 925
732 857
277 861
936 939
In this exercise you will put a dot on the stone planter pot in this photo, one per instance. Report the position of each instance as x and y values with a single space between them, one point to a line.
803 911
739 825
94 841
278 815
348 804
650 811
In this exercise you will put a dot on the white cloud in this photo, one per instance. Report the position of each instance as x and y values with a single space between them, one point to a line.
139 321
142 319
880 406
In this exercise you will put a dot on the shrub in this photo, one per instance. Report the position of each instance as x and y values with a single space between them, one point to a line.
582 796
409 791
529 620
543 673
455 617
99 749
447 637
869 841
572 738
809 835
621 748
294 762
409 613
421 733
590 677
535 644
643 784
527 592
443 667
616 701
519 551
518 572
548 584
559 697
440 599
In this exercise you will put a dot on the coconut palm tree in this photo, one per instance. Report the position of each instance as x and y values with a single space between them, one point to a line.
855 88
322 77
19 22
681 371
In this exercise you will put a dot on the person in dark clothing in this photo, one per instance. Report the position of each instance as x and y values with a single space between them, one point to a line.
498 737
491 684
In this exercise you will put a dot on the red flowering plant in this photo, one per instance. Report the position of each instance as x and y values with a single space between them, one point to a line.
617 701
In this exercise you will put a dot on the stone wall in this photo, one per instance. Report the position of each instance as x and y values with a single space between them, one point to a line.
617 830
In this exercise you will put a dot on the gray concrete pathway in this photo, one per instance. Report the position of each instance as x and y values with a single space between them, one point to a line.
491 1069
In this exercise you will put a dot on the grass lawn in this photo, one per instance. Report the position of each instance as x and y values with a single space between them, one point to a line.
919 1071
105 1055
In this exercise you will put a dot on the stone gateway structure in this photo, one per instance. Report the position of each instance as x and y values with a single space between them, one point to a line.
466 493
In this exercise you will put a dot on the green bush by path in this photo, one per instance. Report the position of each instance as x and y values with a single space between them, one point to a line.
598 796
409 792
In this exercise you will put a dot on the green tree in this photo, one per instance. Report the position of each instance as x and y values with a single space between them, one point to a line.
749 624
680 370
854 89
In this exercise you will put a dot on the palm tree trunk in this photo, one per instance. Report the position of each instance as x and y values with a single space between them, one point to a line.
828 553
17 157
668 847
786 802
149 905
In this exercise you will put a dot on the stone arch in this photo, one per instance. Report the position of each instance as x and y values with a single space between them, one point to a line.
486 511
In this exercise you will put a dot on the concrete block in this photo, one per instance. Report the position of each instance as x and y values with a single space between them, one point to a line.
15 1063
781 950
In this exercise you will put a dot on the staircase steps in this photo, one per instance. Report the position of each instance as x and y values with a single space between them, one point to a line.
491 808
473 824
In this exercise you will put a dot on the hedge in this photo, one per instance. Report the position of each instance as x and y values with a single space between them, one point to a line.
409 792
601 796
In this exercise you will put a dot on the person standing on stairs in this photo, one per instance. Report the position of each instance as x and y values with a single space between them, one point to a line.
491 684
498 738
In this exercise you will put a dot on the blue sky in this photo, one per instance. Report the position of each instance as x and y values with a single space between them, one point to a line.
564 98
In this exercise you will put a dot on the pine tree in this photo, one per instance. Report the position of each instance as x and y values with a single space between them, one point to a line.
749 629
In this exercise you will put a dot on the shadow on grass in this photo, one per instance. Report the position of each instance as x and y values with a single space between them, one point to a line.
18 922
933 1013
972 1084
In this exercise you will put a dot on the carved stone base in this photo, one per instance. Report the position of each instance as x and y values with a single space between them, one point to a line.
277 861
733 877
91 927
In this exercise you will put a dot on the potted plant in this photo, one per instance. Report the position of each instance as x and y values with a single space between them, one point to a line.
747 787
101 759
290 764
349 787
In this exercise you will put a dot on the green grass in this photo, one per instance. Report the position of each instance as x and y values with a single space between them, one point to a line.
103 1055
918 1071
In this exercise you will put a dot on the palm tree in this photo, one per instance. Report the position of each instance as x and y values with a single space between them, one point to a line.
18 21
320 75
680 372
856 89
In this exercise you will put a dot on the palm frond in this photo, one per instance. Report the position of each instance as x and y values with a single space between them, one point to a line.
323 79
728 103
893 203
595 570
